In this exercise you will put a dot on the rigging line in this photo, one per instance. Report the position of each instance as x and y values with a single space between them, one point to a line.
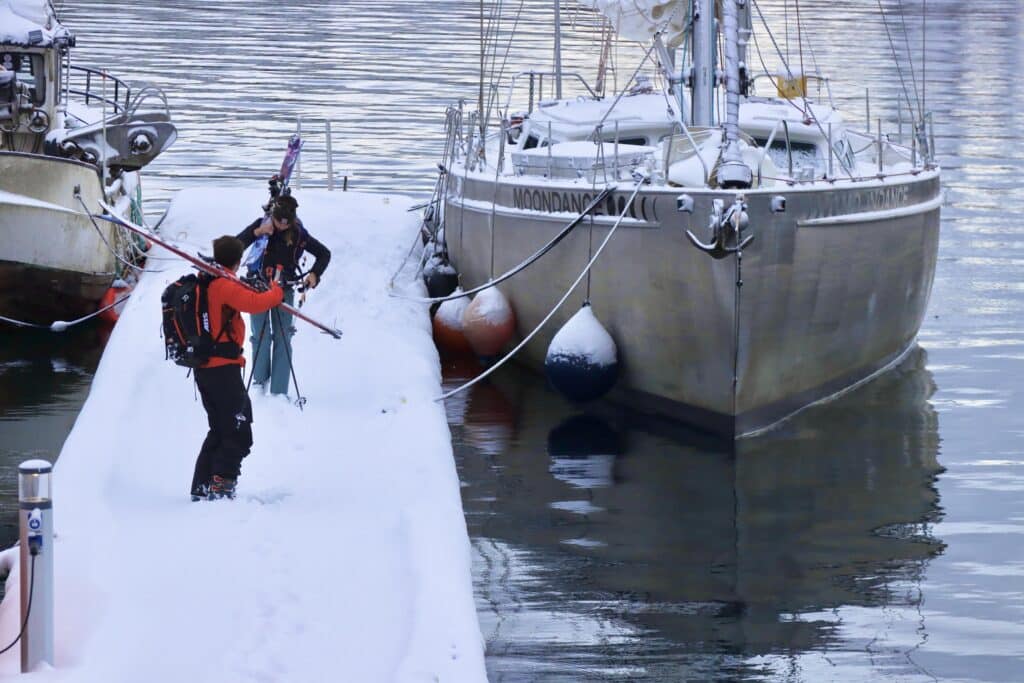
800 48
622 92
812 116
572 287
768 30
492 41
924 57
785 14
501 73
497 186
522 266
896 59
910 56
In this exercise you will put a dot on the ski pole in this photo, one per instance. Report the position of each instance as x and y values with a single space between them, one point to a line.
300 400
256 353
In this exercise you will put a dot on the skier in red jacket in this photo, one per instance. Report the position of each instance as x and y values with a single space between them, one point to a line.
228 409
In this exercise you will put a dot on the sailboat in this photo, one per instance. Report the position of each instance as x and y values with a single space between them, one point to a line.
70 137
750 251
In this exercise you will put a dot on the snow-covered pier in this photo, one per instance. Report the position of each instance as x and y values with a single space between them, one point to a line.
345 556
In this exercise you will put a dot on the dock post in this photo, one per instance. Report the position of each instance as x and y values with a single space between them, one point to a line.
330 160
35 514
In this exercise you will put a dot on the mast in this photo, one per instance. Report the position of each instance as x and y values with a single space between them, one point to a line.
480 105
732 172
702 80
558 49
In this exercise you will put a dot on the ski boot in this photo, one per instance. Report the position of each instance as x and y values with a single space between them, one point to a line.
221 487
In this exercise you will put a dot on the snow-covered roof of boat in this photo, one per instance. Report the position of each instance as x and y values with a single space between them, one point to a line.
29 23
637 108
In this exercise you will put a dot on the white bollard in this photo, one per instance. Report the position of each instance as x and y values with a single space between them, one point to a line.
36 541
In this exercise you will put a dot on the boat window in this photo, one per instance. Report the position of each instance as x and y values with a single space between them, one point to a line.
531 142
805 154
30 73
629 141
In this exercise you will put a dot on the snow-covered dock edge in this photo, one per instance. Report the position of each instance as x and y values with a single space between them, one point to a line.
346 556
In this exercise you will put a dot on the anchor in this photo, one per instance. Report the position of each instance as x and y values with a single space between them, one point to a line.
726 225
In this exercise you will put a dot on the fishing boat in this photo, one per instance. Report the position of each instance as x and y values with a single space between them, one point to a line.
752 252
70 137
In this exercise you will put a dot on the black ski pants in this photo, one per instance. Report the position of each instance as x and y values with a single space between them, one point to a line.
229 413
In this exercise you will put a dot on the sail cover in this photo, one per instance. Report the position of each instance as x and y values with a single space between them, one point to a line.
641 19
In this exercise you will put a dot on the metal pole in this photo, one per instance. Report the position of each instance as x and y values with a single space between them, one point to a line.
931 138
880 148
103 172
899 121
558 49
830 151
549 149
298 164
330 161
702 82
789 148
35 514
867 108
616 150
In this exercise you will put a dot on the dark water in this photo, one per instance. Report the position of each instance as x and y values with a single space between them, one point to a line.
880 537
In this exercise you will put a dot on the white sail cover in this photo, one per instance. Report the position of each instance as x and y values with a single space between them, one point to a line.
641 19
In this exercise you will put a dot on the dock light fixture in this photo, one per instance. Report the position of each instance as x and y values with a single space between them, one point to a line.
35 514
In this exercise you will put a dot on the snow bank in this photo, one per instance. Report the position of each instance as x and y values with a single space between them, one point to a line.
346 556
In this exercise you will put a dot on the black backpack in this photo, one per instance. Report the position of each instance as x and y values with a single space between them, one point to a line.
188 340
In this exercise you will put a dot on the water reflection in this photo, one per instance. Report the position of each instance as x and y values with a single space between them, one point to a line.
620 546
44 378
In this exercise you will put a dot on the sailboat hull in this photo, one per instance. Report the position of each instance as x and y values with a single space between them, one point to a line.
830 291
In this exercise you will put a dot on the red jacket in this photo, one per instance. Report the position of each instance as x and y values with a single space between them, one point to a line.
226 296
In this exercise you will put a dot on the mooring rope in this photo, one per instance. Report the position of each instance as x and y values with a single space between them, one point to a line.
572 287
522 266
61 325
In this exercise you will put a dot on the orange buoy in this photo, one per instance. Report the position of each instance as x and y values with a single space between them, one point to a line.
489 323
113 293
447 324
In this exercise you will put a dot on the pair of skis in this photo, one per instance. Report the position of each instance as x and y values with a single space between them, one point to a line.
278 186
213 268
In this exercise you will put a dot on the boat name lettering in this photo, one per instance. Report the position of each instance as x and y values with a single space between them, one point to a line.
555 201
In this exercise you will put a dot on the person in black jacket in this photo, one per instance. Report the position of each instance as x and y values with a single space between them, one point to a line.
272 331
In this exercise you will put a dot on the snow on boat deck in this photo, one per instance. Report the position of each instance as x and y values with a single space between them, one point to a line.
346 556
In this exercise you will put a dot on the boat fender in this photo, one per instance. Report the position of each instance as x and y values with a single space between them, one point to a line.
448 333
489 322
440 277
582 359
113 293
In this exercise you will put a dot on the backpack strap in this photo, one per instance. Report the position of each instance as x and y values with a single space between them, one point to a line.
228 349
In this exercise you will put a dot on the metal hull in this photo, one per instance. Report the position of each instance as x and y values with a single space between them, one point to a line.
53 262
833 289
